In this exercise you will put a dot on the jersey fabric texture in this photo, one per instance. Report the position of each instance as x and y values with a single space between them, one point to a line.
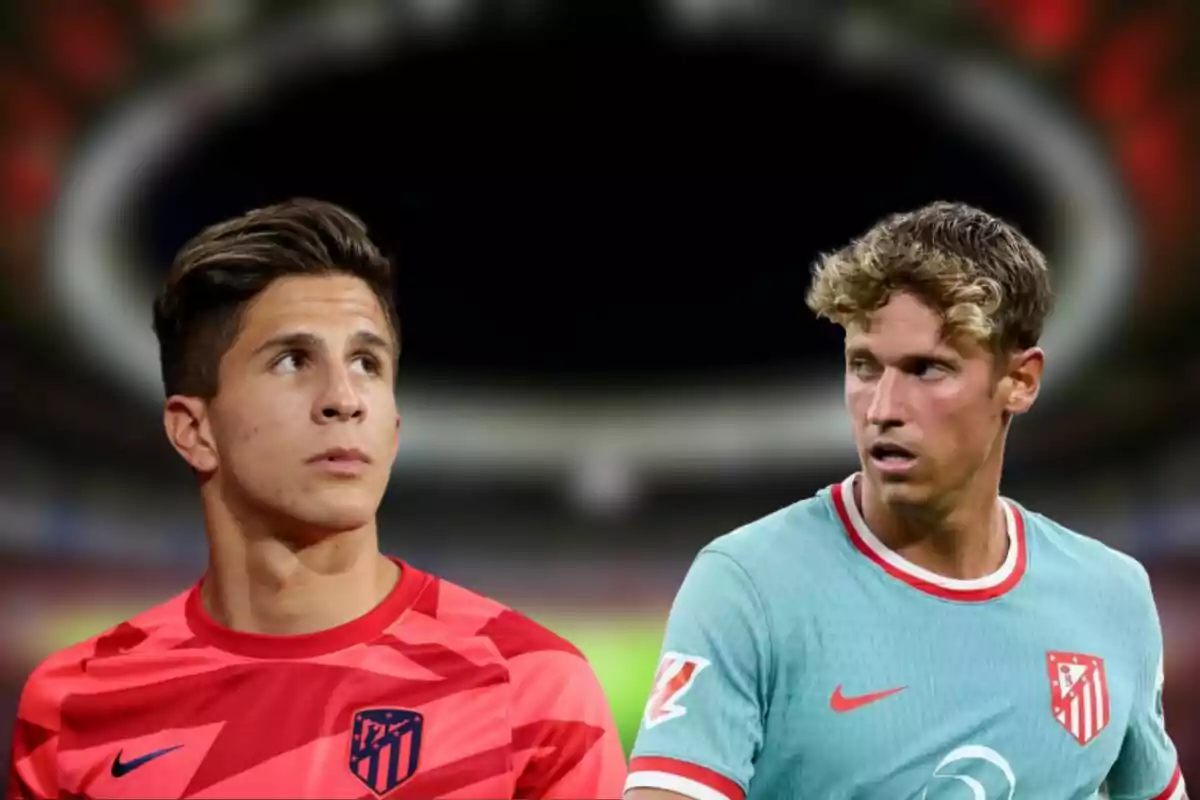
804 659
437 692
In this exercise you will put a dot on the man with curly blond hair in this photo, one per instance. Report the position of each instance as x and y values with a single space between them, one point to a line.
908 632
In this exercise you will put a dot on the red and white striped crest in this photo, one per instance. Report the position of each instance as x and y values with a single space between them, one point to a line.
1078 693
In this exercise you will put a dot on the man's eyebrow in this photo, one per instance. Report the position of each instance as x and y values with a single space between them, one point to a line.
936 356
305 340
296 339
372 339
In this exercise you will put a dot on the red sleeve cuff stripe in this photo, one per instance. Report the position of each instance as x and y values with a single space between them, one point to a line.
1174 790
702 775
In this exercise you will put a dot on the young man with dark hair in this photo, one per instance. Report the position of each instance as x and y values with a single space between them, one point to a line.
304 663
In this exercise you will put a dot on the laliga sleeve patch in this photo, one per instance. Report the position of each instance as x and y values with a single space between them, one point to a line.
674 678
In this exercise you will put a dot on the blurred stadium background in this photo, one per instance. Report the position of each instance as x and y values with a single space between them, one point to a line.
603 215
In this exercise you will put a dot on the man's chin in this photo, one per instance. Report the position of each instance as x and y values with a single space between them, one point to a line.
901 490
339 508
320 520
341 520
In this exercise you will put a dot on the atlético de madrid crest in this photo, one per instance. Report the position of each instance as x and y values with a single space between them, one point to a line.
1078 693
385 744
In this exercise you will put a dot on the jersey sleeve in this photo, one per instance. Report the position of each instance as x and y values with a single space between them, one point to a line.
702 727
33 764
564 735
1147 767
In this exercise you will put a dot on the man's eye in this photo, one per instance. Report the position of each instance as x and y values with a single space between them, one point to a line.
369 364
929 369
290 362
860 366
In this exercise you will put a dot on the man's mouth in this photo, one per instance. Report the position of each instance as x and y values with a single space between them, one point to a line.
889 453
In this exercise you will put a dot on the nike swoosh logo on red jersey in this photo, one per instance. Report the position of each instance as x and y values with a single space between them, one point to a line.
840 703
122 768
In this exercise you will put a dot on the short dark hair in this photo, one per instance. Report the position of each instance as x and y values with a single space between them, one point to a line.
988 281
216 274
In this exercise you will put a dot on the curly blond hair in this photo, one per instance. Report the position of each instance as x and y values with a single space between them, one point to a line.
987 280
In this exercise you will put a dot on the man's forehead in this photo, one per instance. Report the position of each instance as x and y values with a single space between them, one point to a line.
907 326
322 310
318 291
874 330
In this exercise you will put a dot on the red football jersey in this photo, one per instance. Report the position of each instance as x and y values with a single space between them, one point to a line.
437 692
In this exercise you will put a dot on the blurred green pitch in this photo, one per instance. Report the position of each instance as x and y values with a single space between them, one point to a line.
623 650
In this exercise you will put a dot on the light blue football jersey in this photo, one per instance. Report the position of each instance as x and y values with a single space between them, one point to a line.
803 659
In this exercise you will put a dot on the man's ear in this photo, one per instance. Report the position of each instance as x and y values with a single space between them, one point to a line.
1024 378
186 421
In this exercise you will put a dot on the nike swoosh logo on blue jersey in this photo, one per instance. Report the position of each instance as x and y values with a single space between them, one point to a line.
120 768
841 703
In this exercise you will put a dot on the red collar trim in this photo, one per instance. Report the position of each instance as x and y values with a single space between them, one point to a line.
976 590
357 631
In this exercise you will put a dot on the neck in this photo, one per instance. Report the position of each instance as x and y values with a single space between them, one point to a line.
965 539
262 582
